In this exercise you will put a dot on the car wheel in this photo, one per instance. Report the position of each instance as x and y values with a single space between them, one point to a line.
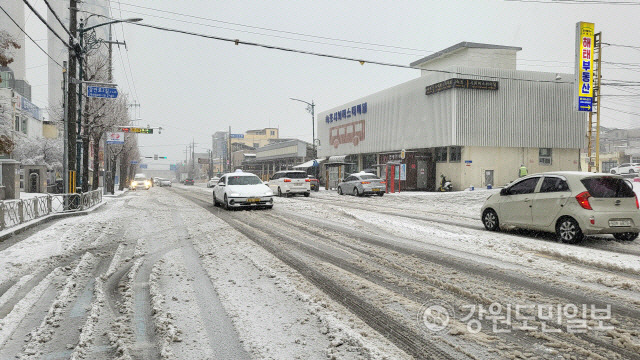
568 231
627 236
380 194
226 203
307 194
355 192
279 192
268 207
631 171
215 201
340 191
490 220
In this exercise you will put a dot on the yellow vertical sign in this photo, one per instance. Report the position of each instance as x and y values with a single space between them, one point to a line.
584 65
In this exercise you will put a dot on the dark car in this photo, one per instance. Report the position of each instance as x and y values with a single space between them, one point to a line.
314 183
188 182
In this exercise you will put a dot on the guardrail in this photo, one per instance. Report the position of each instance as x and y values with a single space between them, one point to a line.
16 212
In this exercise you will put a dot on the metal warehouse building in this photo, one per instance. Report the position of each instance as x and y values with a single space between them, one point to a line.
471 116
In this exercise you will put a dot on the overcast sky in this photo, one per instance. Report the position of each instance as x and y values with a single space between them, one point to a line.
192 86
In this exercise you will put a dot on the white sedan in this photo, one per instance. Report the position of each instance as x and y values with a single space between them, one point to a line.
628 168
240 189
212 182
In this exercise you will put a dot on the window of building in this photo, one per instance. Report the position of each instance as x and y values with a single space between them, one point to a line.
17 127
273 132
24 125
545 156
455 153
441 154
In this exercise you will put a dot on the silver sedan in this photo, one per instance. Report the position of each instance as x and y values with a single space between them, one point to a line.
362 184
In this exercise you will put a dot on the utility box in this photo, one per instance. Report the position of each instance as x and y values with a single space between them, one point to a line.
10 179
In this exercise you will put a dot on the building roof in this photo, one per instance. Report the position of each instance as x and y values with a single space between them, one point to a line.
462 45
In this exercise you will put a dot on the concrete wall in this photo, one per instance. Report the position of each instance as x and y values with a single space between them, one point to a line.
505 163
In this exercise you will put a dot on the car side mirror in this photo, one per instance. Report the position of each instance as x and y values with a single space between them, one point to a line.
505 191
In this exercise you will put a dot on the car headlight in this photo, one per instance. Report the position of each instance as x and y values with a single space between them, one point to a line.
133 183
234 194
147 183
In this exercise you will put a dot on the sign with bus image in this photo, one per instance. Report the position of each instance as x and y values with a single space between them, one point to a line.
352 132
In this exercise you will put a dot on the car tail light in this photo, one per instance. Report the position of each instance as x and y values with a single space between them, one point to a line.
287 180
307 180
583 200
383 182
365 182
637 204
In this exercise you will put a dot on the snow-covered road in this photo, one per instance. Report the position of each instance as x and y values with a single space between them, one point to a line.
164 274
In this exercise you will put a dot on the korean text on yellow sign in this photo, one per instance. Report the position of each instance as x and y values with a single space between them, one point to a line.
585 57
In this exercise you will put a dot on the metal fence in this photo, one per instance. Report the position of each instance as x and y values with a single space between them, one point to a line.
16 212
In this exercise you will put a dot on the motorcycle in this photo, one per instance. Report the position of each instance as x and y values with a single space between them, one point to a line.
445 185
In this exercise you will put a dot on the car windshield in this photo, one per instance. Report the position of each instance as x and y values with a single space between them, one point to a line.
243 180
296 175
608 187
140 179
369 177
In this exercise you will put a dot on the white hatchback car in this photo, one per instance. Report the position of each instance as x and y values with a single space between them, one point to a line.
290 182
571 204
240 189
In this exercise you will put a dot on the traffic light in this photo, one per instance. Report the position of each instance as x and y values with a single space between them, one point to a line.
163 157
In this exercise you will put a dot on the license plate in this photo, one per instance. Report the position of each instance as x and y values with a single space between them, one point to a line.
252 200
375 189
619 223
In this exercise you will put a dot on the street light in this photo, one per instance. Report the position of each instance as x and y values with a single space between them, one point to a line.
79 52
311 108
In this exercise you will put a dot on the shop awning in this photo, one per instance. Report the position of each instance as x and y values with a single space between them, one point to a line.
337 161
308 164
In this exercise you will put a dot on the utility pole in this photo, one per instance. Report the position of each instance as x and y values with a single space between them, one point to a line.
229 151
71 98
65 121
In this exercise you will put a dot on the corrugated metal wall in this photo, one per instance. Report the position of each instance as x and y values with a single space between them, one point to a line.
519 114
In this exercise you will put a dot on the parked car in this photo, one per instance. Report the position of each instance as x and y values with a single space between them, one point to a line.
213 181
189 181
240 189
362 183
164 182
314 184
140 183
290 182
628 168
571 204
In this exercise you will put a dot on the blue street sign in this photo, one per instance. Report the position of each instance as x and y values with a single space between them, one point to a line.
172 167
585 103
237 136
143 166
134 162
102 92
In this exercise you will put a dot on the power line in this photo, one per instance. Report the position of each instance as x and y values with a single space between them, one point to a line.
57 18
46 24
30 38
579 2
360 60
273 30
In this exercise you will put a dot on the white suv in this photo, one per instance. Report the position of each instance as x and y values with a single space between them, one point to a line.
570 203
290 182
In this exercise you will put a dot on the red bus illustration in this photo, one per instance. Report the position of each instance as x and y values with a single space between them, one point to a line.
348 133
